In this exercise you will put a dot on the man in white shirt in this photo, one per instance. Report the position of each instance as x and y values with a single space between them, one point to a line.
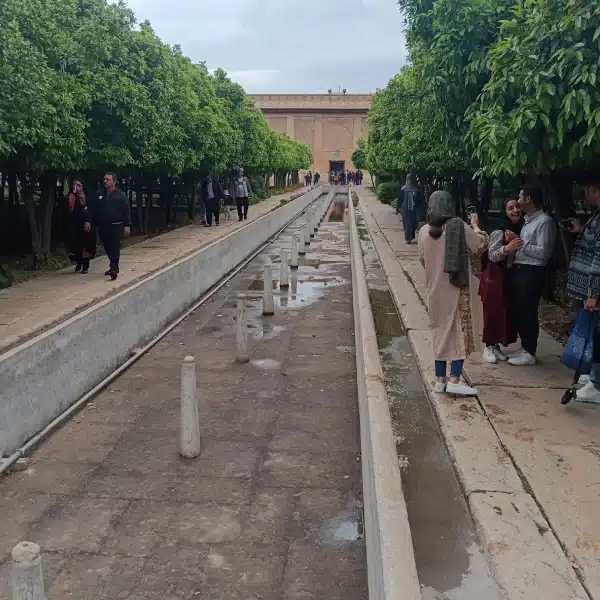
529 273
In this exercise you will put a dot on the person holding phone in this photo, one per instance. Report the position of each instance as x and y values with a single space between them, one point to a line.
445 245
498 325
583 279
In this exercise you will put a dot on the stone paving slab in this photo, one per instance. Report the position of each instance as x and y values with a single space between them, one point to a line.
270 510
33 306
515 442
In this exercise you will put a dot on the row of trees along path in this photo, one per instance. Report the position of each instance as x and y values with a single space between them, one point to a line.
84 89
497 92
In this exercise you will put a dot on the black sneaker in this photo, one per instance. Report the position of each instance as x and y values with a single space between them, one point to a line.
107 274
77 267
85 270
113 275
206 224
217 224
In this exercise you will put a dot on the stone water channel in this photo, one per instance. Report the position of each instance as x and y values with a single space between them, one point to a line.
449 558
270 510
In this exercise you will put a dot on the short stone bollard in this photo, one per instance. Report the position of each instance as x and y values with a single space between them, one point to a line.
301 247
268 302
294 259
26 574
315 220
307 232
190 420
242 355
311 224
284 281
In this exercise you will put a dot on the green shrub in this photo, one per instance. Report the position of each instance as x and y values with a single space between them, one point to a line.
388 192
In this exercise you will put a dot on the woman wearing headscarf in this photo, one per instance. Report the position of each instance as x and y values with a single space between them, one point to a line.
445 244
504 244
81 237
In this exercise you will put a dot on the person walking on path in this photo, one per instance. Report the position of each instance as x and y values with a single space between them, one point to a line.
81 237
498 326
527 284
241 192
316 178
211 193
112 214
455 312
227 204
583 279
411 208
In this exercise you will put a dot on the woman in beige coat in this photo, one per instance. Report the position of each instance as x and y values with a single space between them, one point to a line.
455 313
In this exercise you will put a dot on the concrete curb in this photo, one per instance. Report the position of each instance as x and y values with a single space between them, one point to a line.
391 568
525 557
42 377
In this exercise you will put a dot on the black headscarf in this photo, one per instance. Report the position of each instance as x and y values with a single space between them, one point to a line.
505 224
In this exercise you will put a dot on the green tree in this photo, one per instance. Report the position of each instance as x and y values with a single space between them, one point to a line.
539 114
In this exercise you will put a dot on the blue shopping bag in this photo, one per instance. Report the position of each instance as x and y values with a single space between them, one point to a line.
579 351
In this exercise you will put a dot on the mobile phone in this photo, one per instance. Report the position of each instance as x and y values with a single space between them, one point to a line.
471 210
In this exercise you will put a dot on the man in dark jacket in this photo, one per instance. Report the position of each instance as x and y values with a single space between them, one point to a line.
211 193
112 215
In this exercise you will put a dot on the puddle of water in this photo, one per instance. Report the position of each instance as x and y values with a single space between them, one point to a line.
450 562
344 527
266 364
340 529
264 331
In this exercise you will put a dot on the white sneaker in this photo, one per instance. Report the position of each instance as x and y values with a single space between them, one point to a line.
489 355
460 389
515 353
582 381
522 359
588 393
499 354
440 385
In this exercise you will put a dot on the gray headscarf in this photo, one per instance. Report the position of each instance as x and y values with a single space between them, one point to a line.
440 212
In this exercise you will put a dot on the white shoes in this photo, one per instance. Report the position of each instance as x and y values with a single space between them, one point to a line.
457 389
492 354
521 358
489 355
460 389
583 379
588 393
440 385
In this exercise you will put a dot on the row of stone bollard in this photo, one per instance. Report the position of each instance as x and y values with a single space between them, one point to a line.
26 573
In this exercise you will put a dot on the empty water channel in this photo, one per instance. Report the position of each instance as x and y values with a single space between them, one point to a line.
449 558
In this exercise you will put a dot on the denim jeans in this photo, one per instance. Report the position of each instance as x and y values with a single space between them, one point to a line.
456 367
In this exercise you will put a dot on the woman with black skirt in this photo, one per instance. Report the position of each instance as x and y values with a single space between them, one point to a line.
81 236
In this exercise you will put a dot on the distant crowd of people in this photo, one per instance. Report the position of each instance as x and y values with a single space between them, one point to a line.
108 216
503 306
346 177
310 179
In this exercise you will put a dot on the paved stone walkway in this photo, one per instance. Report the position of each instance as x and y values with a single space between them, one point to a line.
33 306
270 510
524 460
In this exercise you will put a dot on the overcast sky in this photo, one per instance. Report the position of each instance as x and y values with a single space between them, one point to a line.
286 46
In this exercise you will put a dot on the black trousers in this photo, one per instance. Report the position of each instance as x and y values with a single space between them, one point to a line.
212 208
524 289
242 203
110 236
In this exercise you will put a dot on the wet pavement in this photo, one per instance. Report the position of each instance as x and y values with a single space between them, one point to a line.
270 510
448 554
